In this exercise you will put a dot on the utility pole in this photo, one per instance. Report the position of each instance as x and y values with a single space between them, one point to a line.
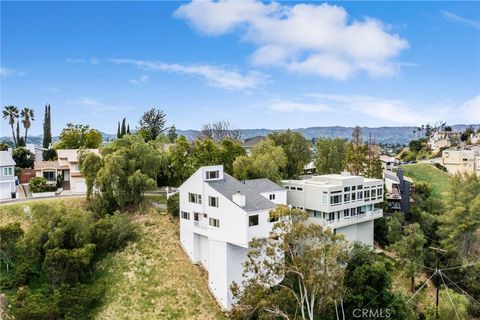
437 282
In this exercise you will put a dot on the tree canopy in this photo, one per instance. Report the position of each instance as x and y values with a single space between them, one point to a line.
152 124
76 136
296 149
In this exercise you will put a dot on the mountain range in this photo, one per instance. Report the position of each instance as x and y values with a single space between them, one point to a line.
391 135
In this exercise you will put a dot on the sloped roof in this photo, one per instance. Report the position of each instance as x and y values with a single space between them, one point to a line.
6 159
72 154
54 164
250 142
391 175
254 201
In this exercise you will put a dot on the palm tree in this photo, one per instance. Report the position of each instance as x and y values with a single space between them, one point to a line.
27 118
11 113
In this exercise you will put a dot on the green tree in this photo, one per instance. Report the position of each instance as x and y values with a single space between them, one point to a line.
180 160
27 115
460 224
47 129
90 163
172 134
230 150
119 133
410 250
9 235
23 157
266 161
369 285
11 113
123 130
130 167
296 149
152 124
205 153
20 140
76 136
331 155
312 268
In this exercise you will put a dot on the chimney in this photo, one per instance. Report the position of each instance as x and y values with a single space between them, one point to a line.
10 151
239 199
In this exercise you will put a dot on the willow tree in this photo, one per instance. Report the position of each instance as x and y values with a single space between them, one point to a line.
90 163
297 272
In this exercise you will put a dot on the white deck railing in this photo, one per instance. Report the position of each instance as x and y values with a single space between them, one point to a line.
346 221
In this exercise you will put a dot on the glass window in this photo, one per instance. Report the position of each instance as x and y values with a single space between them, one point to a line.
213 201
346 213
353 196
194 198
335 199
213 174
359 195
214 222
331 216
346 189
346 197
299 189
272 196
253 220
49 175
195 216
185 215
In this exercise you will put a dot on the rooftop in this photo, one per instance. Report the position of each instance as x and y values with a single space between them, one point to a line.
254 201
333 180
6 159
72 154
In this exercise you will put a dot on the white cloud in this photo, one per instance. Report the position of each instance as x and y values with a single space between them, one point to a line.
52 90
303 38
293 106
141 80
215 75
82 61
7 72
94 105
456 18
471 110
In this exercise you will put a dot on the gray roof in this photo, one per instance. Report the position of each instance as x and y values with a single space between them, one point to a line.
6 159
250 142
391 175
254 201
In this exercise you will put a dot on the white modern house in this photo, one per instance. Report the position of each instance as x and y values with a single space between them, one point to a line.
342 202
7 175
219 216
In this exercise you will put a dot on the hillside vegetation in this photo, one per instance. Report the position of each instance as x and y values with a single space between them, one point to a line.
150 278
439 180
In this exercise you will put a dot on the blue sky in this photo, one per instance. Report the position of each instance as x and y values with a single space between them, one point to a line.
258 65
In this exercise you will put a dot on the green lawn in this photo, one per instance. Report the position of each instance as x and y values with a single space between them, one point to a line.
439 180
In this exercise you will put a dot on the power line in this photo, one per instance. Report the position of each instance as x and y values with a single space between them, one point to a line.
459 267
448 294
420 289
456 285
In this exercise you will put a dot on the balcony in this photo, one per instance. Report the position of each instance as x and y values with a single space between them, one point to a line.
346 221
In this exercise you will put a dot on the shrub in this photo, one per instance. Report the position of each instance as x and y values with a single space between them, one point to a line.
23 157
112 232
39 184
49 155
173 204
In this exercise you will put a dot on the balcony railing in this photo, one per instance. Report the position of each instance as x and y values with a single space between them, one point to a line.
346 221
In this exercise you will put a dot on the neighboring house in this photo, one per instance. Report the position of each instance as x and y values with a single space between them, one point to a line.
388 163
399 189
67 167
219 216
36 150
342 202
249 143
7 175
309 168
443 139
462 160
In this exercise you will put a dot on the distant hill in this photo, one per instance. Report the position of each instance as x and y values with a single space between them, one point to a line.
401 135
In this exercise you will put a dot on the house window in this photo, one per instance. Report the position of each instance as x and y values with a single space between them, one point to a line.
293 188
8 171
346 189
353 196
195 216
272 196
287 187
213 174
366 193
195 198
324 199
253 220
214 222
49 175
299 189
331 216
185 215
346 197
374 193
335 199
346 213
359 195
213 201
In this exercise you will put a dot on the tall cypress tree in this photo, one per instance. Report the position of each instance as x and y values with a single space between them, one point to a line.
19 143
124 128
128 129
118 131
47 127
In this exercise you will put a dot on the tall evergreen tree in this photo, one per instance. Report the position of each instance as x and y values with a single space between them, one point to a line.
124 128
47 128
119 134
128 129
19 144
